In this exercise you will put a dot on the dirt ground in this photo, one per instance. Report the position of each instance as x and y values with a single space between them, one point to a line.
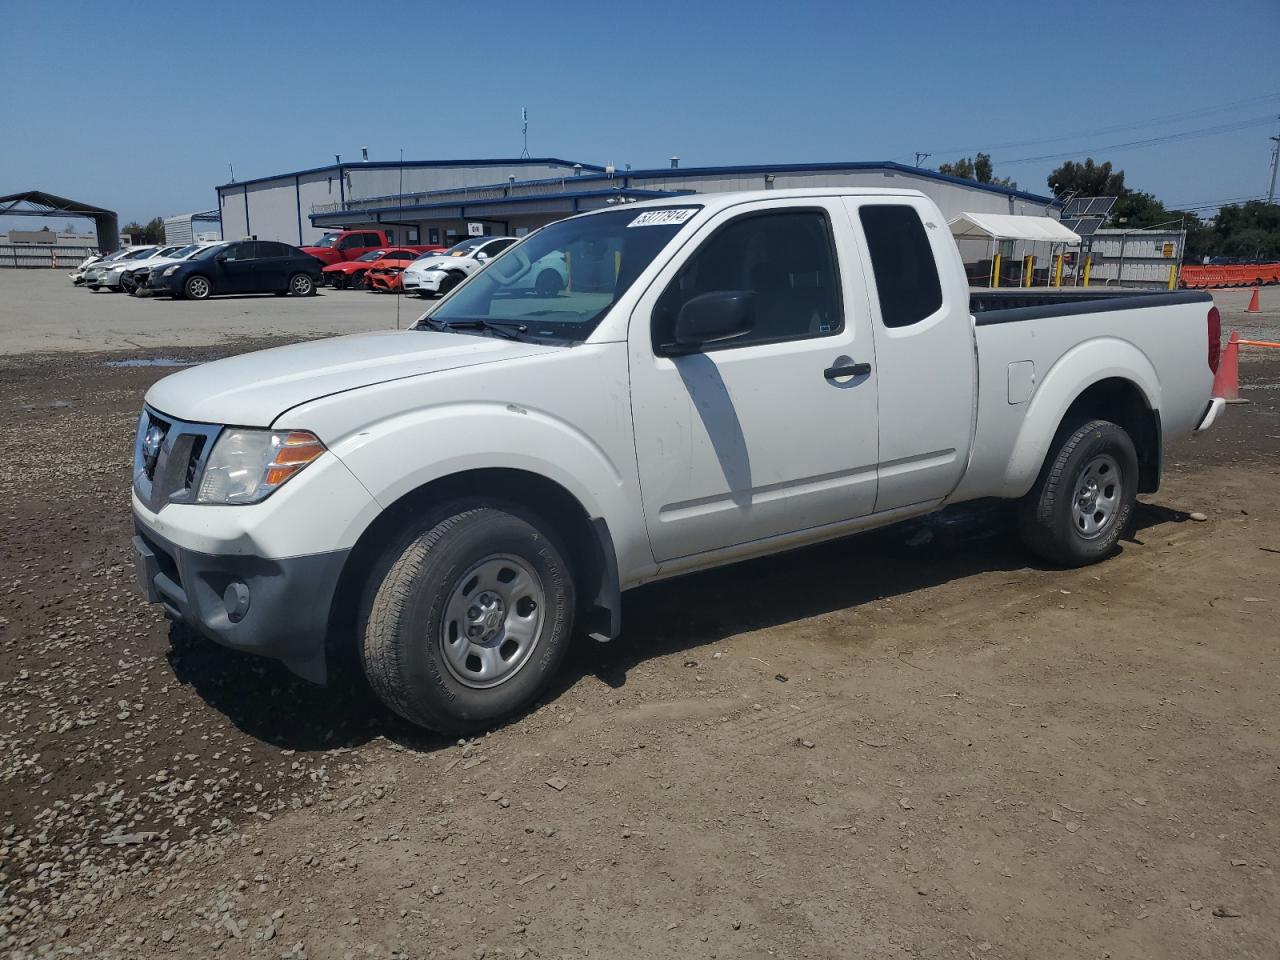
916 743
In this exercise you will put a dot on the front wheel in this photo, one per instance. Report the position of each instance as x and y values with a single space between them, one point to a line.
450 281
1083 500
197 288
301 285
466 623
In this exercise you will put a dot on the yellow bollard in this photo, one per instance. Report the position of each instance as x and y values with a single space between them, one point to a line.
1057 271
1088 263
995 270
617 264
1173 276
568 271
1028 269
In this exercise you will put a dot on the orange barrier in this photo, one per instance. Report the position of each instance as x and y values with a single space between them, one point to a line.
1239 275
1260 343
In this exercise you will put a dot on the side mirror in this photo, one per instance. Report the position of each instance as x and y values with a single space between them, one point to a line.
713 317
221 258
482 255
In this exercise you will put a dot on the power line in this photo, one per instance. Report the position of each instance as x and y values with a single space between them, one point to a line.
1213 204
1149 142
1121 127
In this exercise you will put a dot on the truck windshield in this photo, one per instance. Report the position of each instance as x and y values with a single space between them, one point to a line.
559 282
328 240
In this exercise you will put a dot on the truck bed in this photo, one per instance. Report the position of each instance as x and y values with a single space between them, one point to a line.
1011 306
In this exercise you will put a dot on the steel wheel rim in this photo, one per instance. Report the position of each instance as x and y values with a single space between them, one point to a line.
492 621
301 285
199 287
1096 502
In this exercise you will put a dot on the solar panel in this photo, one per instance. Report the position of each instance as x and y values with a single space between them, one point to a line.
1085 226
1089 207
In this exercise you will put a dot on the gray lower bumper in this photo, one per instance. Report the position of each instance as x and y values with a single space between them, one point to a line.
274 608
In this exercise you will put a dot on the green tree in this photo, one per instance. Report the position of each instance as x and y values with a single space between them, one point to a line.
1250 230
152 232
962 168
1087 179
979 168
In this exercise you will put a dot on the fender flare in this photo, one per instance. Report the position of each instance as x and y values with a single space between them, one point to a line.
1087 364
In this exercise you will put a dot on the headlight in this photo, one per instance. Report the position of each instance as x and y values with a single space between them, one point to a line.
170 271
246 466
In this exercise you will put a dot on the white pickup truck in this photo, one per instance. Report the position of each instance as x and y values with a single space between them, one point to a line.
720 377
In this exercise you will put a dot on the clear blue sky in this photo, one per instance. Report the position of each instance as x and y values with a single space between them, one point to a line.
140 107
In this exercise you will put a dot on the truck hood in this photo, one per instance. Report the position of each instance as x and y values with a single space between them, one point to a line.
253 389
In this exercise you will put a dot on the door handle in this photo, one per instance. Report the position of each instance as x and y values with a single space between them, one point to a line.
847 370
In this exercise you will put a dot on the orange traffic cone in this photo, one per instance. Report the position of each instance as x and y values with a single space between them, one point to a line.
1253 303
1226 382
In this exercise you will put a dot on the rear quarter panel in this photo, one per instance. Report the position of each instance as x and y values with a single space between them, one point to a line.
1162 350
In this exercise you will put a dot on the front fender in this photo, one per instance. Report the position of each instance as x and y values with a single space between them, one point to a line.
406 452
1075 371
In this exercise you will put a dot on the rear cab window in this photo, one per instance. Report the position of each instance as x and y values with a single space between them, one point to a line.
902 261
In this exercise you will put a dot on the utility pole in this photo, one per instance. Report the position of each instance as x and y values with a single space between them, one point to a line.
1275 162
921 157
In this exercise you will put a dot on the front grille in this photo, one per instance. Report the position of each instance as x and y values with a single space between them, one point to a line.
169 457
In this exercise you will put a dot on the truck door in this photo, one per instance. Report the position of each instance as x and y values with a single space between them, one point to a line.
925 359
773 432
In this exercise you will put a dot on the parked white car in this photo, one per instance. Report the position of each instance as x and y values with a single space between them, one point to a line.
726 376
77 275
437 275
96 276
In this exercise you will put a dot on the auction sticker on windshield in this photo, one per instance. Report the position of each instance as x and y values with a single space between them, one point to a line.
663 218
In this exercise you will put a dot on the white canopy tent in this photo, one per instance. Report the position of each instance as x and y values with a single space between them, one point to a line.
1006 226
997 227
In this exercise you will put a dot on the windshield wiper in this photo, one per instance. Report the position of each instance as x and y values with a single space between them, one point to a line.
509 330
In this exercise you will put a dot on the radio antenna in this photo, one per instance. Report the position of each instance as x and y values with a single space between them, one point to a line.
524 132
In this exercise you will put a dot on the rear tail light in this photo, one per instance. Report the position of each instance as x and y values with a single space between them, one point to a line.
1215 338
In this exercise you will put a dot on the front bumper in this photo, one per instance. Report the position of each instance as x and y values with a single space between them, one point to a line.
273 608
422 281
386 282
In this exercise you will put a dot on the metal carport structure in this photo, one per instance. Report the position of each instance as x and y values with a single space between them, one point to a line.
37 203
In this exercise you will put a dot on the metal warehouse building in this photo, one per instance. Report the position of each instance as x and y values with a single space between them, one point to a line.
437 201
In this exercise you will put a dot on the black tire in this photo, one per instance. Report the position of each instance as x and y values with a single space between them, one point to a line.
338 281
197 288
548 283
405 628
1056 521
301 285
450 281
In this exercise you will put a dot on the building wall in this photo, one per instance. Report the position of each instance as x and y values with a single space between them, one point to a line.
274 204
231 202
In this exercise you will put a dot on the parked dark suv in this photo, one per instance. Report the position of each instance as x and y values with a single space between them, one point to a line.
239 266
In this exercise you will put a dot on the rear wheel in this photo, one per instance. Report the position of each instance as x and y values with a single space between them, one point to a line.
338 281
466 622
197 288
301 285
1083 500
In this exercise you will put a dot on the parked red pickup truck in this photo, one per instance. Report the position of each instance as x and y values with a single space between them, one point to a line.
352 244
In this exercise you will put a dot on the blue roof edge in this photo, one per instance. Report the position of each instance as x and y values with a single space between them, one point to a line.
394 164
